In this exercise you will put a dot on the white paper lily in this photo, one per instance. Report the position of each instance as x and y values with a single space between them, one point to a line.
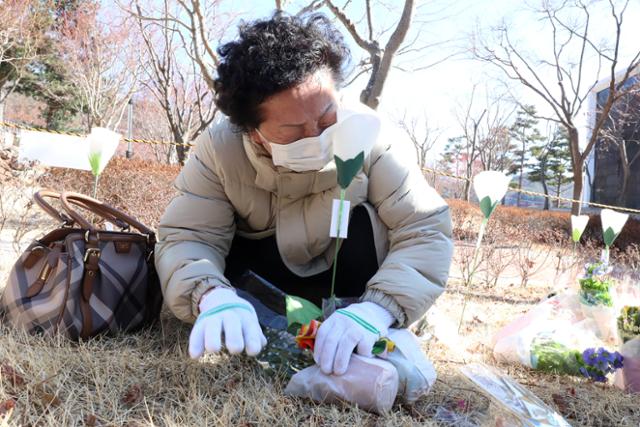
355 134
490 187
612 224
102 146
578 224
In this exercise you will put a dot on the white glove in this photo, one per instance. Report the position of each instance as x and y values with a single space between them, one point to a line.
222 311
358 326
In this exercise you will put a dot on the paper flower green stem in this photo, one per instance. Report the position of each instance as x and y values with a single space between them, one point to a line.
338 240
474 265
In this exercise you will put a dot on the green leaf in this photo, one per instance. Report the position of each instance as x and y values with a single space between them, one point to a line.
379 347
609 237
300 310
348 169
487 207
94 161
576 235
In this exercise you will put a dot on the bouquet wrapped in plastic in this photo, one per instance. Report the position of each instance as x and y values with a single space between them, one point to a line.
596 297
629 333
556 338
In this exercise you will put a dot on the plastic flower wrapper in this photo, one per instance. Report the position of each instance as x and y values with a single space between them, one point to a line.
629 324
353 139
490 187
102 146
612 224
596 298
631 371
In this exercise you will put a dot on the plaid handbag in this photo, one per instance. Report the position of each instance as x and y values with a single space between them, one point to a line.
81 281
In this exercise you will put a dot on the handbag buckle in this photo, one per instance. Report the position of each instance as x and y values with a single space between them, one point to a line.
90 252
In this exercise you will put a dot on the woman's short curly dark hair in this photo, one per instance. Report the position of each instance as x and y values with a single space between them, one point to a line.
272 55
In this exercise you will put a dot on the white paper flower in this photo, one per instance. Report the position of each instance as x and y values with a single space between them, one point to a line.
355 134
353 139
612 223
490 187
102 146
578 224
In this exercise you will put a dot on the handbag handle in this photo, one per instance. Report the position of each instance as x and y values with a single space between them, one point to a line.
99 208
67 221
40 196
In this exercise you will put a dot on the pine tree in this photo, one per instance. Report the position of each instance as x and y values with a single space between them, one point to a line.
551 164
525 132
559 163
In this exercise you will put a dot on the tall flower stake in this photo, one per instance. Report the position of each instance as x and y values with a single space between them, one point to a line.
353 139
102 146
612 224
490 187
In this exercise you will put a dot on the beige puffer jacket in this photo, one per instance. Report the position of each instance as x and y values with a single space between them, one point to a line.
230 185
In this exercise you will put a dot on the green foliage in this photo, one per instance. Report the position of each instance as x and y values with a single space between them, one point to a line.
300 310
525 132
595 287
553 357
43 73
551 162
629 323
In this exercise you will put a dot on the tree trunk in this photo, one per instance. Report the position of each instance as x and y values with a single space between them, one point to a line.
624 164
381 59
467 183
546 193
577 164
521 171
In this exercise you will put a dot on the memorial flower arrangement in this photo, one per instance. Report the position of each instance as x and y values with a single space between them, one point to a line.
592 363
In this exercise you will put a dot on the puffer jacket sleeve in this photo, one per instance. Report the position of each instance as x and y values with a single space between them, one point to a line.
195 233
416 268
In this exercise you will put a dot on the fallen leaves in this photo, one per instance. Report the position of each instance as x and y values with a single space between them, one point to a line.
133 395
9 374
7 406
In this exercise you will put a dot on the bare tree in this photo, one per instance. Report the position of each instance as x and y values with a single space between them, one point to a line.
380 57
198 24
422 135
568 90
177 85
104 64
484 135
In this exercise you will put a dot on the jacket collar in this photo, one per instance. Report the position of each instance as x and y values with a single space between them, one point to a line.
285 182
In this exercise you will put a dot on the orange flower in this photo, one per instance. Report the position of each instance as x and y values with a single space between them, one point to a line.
306 337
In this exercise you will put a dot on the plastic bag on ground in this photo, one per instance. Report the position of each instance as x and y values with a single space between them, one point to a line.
524 407
629 377
416 374
370 383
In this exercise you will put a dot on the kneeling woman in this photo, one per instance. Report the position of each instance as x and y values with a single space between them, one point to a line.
257 194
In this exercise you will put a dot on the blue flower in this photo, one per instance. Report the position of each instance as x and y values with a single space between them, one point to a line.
618 361
588 356
584 371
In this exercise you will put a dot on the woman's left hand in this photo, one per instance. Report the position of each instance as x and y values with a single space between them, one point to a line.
358 327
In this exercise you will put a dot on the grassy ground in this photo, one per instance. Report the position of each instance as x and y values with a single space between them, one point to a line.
148 379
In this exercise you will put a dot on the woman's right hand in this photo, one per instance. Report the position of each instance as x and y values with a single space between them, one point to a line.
222 311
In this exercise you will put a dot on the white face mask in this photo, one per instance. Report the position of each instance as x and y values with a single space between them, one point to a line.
306 154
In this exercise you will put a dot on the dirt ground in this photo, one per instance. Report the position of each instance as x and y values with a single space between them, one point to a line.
148 379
